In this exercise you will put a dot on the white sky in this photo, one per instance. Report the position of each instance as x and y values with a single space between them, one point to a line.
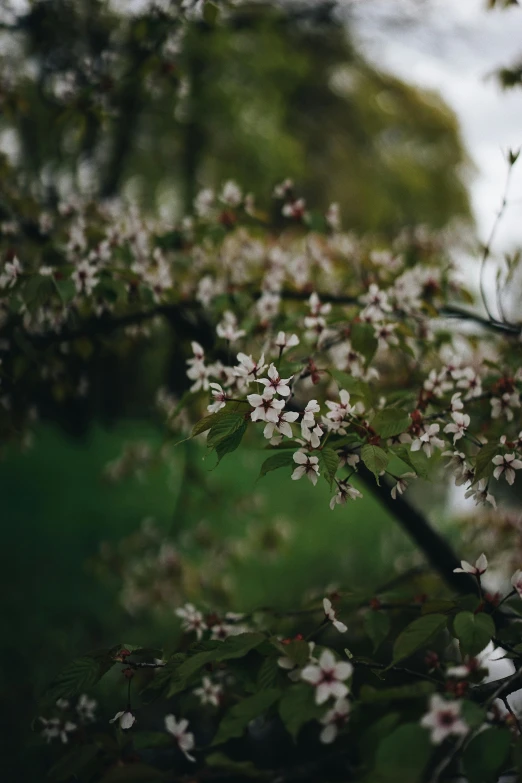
453 46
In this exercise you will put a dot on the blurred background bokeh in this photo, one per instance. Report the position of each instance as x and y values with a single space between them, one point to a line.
102 539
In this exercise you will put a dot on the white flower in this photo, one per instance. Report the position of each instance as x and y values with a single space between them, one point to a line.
203 202
312 437
198 373
308 466
458 672
328 676
331 615
344 491
294 209
333 720
401 484
478 569
231 194
504 404
506 465
125 718
281 190
248 368
266 407
333 216
312 407
84 278
275 382
282 426
283 341
86 708
178 729
437 383
209 693
10 274
339 410
385 334
192 619
54 728
470 381
376 302
444 719
227 328
428 440
220 398
456 403
459 425
516 581
481 494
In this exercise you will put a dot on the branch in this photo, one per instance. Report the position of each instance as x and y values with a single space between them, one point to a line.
434 547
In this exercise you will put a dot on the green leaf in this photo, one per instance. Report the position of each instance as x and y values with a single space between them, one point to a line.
363 340
210 13
231 442
414 459
238 717
78 676
418 690
297 707
353 385
276 461
485 755
390 422
298 651
403 755
329 460
223 428
473 714
268 673
374 458
483 464
377 626
72 762
244 768
375 733
417 634
151 739
474 631
233 647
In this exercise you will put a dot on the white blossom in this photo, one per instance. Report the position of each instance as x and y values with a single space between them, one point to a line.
220 398
331 615
328 677
333 720
86 708
282 426
227 328
275 382
444 719
125 718
284 341
506 465
401 484
192 619
516 581
478 569
428 440
10 274
84 278
248 368
307 466
459 425
503 405
480 494
209 692
345 490
231 194
266 407
203 203
184 738
340 410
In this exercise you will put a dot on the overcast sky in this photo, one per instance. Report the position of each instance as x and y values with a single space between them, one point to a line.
453 46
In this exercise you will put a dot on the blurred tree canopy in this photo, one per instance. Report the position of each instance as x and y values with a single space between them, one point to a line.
108 101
